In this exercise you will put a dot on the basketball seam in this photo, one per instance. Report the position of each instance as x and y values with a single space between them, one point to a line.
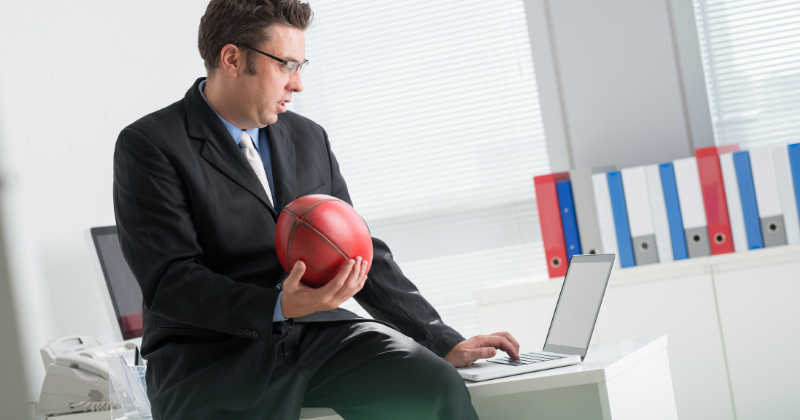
313 229
289 244
315 205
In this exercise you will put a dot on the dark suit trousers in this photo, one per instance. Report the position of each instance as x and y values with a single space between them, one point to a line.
363 370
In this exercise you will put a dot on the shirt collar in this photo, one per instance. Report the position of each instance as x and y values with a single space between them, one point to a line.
235 131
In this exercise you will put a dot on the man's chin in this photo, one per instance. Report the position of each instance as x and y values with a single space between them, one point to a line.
270 119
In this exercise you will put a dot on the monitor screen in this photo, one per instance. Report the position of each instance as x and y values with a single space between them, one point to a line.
579 303
126 296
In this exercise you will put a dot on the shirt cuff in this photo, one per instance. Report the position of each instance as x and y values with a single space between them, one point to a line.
277 316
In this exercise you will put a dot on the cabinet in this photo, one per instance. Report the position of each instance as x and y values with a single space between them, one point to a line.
729 320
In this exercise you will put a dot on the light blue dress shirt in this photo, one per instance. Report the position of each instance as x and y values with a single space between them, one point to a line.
262 146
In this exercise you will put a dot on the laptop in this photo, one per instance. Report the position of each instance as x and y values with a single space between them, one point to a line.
570 329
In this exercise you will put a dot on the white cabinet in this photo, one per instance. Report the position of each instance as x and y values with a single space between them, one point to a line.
730 320
759 310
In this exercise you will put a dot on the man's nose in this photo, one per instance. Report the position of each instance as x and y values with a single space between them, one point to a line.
295 83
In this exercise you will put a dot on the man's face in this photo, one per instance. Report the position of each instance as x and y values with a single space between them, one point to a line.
267 92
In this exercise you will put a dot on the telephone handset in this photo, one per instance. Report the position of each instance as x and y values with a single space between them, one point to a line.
77 375
82 362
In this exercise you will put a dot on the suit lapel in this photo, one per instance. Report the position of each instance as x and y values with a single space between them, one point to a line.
219 149
283 164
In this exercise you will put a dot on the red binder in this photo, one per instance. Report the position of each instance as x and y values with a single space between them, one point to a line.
550 220
719 226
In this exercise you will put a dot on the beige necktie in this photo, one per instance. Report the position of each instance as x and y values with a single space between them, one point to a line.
254 159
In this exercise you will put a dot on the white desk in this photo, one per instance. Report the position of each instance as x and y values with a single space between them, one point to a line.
621 380
627 379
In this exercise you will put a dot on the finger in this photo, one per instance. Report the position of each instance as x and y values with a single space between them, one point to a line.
497 342
361 280
348 289
295 275
336 283
363 276
481 353
510 338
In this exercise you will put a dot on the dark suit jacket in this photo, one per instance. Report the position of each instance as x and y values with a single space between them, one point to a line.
197 230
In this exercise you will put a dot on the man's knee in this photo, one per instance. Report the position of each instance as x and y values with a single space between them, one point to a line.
434 374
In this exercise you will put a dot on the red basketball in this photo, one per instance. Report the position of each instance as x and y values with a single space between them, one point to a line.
323 232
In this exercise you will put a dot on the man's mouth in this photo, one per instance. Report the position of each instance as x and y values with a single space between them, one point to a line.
282 104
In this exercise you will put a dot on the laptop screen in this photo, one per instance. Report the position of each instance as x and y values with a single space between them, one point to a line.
124 291
579 304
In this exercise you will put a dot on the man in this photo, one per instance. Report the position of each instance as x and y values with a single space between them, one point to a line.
198 187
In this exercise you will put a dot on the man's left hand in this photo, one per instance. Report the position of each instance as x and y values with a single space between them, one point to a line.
482 347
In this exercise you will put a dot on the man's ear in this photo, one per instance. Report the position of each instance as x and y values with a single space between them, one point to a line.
232 60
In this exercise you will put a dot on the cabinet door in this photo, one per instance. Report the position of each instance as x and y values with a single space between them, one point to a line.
682 307
760 315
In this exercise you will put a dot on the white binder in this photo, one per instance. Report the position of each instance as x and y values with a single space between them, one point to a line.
735 215
585 211
658 209
693 211
640 219
783 173
768 197
605 216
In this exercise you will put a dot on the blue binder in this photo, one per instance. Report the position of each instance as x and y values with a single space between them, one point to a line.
673 205
747 194
568 220
794 160
624 242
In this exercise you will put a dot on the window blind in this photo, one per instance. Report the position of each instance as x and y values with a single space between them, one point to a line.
432 111
751 55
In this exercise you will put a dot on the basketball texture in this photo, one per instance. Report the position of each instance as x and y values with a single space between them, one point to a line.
323 232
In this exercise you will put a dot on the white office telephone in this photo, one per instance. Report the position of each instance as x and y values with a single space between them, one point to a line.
77 375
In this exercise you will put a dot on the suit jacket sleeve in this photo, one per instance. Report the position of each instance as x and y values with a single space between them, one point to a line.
159 242
388 295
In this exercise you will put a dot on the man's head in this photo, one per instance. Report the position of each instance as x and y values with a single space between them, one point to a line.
249 88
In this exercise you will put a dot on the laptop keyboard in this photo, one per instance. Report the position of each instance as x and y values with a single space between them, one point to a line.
526 359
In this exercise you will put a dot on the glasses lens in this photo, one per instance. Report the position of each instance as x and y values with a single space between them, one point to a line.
302 66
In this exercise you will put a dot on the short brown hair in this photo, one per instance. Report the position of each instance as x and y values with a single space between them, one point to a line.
247 22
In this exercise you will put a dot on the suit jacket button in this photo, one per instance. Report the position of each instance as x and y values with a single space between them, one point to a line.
239 331
255 334
247 333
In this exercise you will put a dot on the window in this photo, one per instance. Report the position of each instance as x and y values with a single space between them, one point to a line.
433 114
751 54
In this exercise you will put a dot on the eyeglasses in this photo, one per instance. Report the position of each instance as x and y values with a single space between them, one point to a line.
288 66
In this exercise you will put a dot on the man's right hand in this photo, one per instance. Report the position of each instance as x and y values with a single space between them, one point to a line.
300 300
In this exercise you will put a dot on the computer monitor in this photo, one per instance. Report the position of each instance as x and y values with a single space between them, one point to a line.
120 291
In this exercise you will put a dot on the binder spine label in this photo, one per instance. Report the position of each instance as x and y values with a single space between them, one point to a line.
773 230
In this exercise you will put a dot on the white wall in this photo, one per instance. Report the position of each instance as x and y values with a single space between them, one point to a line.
620 81
73 75
617 86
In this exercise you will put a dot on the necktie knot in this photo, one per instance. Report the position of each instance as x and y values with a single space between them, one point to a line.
246 140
